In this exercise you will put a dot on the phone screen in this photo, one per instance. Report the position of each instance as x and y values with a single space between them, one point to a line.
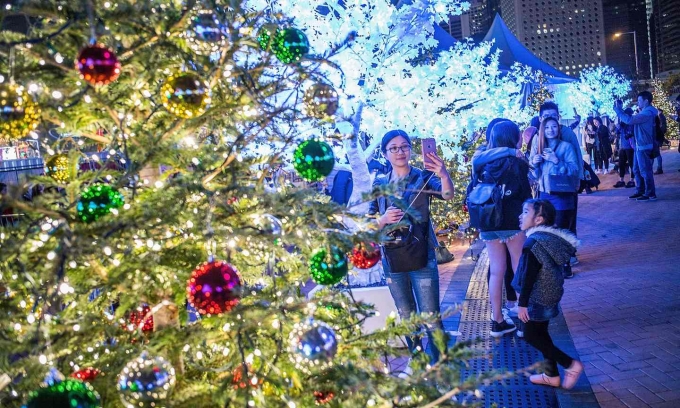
429 146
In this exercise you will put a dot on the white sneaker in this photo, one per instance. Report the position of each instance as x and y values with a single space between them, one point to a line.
512 311
507 318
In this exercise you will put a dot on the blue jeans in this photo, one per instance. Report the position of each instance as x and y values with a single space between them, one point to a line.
416 292
644 175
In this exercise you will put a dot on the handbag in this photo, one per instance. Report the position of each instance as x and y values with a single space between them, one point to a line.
443 254
563 183
485 206
406 250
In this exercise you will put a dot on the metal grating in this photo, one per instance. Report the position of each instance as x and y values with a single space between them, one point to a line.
477 290
476 311
507 353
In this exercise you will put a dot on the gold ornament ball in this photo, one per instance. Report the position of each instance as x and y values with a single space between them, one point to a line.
321 101
57 168
185 95
18 113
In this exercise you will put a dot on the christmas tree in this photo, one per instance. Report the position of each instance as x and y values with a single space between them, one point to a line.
172 273
540 94
663 102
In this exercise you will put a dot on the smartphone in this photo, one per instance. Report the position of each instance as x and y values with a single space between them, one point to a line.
429 146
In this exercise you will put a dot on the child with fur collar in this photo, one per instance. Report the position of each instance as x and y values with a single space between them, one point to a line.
540 284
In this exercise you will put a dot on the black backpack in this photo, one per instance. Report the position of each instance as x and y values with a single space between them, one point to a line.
659 130
485 203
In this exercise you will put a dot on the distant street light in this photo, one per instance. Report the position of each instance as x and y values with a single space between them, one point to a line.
637 68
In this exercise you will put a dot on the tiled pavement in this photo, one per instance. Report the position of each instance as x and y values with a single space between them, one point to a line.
622 308
509 353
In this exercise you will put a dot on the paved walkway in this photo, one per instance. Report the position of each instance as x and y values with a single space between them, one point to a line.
622 309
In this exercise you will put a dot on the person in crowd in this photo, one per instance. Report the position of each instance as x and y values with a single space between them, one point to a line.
626 143
528 139
496 165
661 126
554 156
415 291
592 145
614 140
551 110
604 144
481 157
540 283
643 129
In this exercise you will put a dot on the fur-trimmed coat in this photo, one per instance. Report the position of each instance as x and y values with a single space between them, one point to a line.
544 255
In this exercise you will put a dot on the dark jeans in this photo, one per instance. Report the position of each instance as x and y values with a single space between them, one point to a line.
416 292
659 161
644 176
510 294
536 334
594 154
626 159
566 219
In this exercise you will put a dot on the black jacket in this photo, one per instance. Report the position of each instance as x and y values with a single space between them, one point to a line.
514 173
605 143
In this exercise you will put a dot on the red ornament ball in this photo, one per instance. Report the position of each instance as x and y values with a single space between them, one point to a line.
365 258
323 397
98 65
87 374
238 380
214 288
136 317
465 208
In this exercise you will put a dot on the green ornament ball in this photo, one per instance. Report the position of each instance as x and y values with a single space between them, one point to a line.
70 393
328 269
290 45
265 35
313 160
97 201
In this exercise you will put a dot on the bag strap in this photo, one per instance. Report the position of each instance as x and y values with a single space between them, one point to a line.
416 197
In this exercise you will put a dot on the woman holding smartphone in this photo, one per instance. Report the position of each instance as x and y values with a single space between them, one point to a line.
554 157
415 290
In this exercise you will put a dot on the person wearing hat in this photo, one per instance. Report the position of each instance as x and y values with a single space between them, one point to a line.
416 289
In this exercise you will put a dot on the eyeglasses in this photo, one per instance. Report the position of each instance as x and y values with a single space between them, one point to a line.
395 149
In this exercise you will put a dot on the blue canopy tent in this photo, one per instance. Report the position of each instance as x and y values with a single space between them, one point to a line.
512 50
445 39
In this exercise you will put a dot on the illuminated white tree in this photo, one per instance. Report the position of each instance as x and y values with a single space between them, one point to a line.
596 90
392 76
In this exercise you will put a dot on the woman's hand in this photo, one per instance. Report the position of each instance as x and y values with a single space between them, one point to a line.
436 165
537 159
391 216
550 156
523 314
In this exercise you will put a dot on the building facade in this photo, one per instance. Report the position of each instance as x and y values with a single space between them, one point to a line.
567 34
476 22
626 24
666 25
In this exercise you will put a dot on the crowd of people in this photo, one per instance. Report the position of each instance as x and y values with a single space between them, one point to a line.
530 231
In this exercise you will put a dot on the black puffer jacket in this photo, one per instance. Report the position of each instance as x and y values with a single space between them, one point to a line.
551 248
514 173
